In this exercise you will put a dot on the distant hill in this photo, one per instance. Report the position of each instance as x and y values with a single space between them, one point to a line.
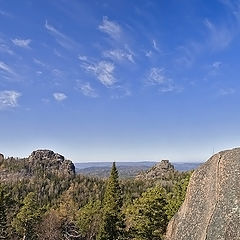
126 169
187 166
109 164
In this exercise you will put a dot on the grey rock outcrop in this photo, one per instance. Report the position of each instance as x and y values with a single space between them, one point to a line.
41 163
47 160
159 171
1 157
211 210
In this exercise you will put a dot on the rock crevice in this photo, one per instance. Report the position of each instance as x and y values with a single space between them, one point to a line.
217 195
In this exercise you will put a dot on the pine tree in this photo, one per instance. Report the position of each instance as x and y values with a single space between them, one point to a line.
27 218
112 223
176 197
89 218
146 217
3 215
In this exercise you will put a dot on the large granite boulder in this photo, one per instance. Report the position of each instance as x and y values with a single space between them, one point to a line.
211 210
1 157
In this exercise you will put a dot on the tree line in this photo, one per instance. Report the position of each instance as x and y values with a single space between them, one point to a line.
84 208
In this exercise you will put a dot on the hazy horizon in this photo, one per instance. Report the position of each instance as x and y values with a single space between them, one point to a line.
79 160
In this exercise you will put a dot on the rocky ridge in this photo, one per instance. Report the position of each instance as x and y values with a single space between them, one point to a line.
39 163
211 210
160 171
48 160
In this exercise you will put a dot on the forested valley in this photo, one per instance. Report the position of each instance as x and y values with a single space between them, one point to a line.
41 197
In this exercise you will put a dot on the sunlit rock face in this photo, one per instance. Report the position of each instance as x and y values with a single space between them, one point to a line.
161 170
211 210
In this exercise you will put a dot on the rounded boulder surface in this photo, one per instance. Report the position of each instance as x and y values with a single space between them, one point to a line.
211 210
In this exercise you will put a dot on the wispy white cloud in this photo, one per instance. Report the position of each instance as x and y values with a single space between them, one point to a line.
234 7
6 49
157 77
188 53
120 55
120 92
103 70
155 45
24 43
113 29
216 65
148 53
219 36
57 73
45 100
154 48
38 62
226 91
57 53
52 29
7 69
61 38
87 90
5 14
9 99
82 58
214 69
59 96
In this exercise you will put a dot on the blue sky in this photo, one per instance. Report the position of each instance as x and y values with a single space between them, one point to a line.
120 80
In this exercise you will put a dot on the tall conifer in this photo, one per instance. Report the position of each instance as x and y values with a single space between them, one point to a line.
27 218
112 223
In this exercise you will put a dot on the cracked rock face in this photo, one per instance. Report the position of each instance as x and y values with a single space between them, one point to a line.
211 210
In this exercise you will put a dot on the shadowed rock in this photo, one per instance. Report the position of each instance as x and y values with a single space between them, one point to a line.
50 161
211 210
